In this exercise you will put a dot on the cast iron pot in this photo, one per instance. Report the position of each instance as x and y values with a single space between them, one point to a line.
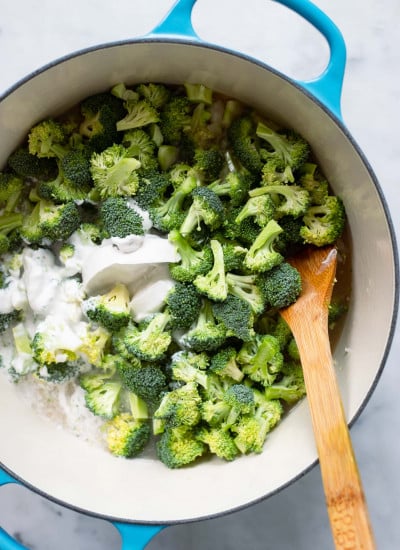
142 496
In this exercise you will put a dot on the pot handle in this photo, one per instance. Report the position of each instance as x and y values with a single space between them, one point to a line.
6 541
327 88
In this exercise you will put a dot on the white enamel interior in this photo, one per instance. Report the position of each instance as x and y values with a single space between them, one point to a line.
143 490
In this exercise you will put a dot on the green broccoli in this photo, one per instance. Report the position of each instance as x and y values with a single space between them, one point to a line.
102 393
114 173
198 93
209 163
290 386
290 242
192 262
324 223
336 310
244 232
246 287
235 401
281 285
152 188
234 186
139 113
151 342
234 253
169 214
47 139
61 190
10 319
139 145
262 255
206 207
147 381
187 366
178 407
213 283
252 430
126 436
219 442
207 334
11 187
9 223
292 200
111 310
274 171
261 208
58 373
156 94
26 165
58 222
75 166
223 363
245 143
100 115
119 219
261 359
237 316
316 185
175 119
178 447
184 304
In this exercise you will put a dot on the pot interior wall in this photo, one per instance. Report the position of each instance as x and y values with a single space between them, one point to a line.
71 471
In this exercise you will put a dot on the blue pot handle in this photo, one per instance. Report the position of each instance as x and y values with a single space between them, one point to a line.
327 87
7 542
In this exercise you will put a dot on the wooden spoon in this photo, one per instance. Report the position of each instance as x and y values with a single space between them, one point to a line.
308 320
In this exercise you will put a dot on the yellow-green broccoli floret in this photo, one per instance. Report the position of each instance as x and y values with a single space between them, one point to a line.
111 310
126 436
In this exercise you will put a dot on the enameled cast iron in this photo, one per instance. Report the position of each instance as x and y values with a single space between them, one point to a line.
142 496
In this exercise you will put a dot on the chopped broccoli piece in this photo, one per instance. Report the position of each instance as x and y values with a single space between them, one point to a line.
314 183
100 115
207 334
246 287
198 93
245 232
187 366
140 146
262 255
261 208
151 342
230 403
290 387
152 188
281 285
47 139
206 207
213 284
237 316
245 143
193 262
290 242
224 363
114 173
75 166
156 94
261 359
139 113
234 185
234 253
170 213
58 373
219 441
126 436
111 310
184 304
30 166
209 162
60 190
102 395
324 223
7 320
178 447
9 222
292 200
146 381
11 187
119 219
175 118
179 407
55 222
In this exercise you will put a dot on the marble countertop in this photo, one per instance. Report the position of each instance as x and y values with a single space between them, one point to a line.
33 34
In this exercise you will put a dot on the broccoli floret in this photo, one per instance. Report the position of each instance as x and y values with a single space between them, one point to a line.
245 143
290 242
336 309
11 187
61 190
179 407
151 342
167 156
292 350
209 162
187 366
58 373
9 223
57 222
234 253
101 113
224 363
157 94
262 255
30 166
234 185
226 408
246 288
289 146
204 132
324 223
198 93
178 447
170 213
146 381
252 430
290 387
47 139
126 436
119 219
114 173
207 334
261 208
193 262
274 171
282 332
152 188
102 394
93 344
213 284
261 359
140 146
75 166
237 316
139 113
245 232
314 182
292 200
184 304
111 310
206 207
175 118
281 285
219 442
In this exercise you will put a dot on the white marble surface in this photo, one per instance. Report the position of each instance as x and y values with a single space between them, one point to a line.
34 33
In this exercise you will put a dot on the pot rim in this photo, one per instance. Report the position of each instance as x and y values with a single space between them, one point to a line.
393 241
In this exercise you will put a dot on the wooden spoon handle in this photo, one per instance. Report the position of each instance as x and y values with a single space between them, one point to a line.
345 499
